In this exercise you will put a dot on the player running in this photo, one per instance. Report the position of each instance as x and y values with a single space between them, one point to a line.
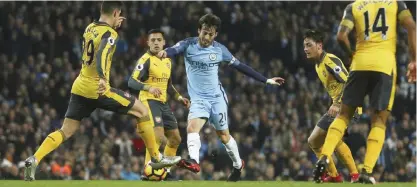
202 56
152 78
333 75
373 72
92 90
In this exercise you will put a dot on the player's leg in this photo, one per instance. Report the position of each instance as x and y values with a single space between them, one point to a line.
159 139
353 95
79 107
173 137
381 98
316 140
197 117
124 103
171 131
345 155
154 111
219 119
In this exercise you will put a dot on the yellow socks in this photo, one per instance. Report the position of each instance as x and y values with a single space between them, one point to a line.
374 145
345 155
170 150
145 130
331 167
148 156
334 135
49 144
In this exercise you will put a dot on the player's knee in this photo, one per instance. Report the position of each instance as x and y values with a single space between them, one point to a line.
380 117
193 127
139 110
69 127
346 112
311 141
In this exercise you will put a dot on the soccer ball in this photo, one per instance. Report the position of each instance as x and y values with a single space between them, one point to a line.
154 174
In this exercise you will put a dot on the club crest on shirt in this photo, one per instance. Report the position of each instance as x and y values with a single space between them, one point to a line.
212 57
158 119
169 65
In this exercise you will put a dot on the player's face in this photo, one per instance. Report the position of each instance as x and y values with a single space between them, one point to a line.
311 48
206 35
156 42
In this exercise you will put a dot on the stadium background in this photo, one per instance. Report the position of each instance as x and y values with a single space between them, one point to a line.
40 48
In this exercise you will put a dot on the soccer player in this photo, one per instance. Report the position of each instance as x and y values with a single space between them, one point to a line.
92 90
373 73
202 56
333 74
152 78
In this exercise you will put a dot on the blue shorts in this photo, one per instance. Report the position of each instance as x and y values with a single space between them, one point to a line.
215 111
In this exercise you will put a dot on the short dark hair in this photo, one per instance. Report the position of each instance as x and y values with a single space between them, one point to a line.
107 7
154 31
315 35
210 20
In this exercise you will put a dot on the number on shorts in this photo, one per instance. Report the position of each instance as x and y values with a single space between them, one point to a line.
222 115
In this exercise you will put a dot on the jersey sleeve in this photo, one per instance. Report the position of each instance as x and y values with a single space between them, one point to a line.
228 57
178 47
140 74
348 19
402 11
107 42
337 69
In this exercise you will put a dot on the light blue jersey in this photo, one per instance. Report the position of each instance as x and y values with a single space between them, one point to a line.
202 67
208 98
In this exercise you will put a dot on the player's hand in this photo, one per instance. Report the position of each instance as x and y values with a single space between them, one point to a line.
162 54
155 92
186 102
411 72
102 86
334 110
275 81
119 22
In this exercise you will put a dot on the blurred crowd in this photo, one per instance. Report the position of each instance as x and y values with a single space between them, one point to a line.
40 48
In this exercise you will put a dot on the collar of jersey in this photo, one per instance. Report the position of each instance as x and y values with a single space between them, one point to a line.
322 56
150 53
199 46
102 23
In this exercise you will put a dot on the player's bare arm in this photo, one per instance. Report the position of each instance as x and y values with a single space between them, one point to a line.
173 92
407 22
343 39
346 25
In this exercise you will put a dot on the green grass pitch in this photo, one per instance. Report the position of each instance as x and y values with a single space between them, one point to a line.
5 183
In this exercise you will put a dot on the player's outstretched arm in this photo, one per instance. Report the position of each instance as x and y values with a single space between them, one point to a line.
175 50
173 92
247 70
406 20
346 25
